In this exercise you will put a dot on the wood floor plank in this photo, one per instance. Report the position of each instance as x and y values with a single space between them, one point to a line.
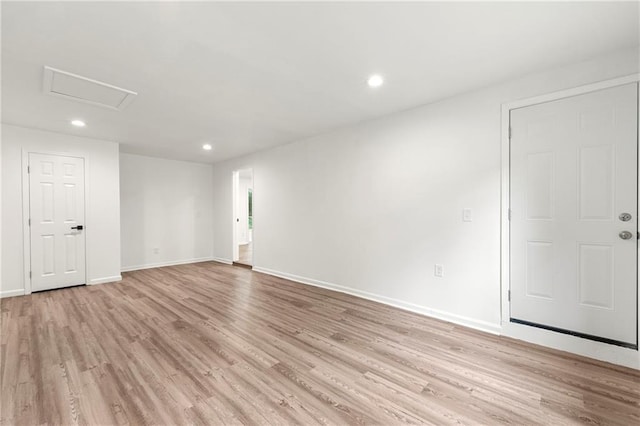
209 344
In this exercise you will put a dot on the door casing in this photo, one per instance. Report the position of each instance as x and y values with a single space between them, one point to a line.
25 213
234 200
603 351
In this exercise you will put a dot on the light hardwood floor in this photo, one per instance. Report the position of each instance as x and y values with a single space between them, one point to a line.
216 344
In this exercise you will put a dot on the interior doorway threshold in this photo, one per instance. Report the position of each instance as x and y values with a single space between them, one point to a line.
242 265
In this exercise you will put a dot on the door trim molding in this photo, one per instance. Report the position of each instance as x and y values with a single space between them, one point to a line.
26 231
593 349
235 185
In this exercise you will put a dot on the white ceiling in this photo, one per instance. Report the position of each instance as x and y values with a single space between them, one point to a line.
248 76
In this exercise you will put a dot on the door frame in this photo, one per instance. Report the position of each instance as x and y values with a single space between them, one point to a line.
565 342
235 188
235 185
26 198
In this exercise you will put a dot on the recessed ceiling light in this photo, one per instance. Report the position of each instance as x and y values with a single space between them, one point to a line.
375 80
207 147
78 123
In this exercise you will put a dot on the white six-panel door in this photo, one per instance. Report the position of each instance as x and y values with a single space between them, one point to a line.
56 206
574 214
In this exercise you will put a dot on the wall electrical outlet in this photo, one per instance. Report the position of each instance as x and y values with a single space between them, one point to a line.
467 215
438 271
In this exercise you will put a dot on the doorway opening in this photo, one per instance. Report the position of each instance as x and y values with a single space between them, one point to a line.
243 217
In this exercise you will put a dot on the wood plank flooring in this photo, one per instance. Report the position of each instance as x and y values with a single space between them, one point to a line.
214 344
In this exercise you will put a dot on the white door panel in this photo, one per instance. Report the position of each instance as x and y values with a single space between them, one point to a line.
56 204
573 171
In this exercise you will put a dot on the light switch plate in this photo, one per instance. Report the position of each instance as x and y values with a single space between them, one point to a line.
467 215
438 271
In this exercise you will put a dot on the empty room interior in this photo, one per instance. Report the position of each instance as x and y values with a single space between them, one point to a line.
332 213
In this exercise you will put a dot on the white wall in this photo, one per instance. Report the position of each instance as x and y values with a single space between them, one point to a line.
1 212
166 210
381 202
102 202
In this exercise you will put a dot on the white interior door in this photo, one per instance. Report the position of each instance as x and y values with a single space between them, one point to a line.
56 211
574 194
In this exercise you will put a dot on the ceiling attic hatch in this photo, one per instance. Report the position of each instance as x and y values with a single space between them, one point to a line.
82 89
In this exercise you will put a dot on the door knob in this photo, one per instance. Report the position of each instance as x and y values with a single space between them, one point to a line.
625 217
625 235
79 227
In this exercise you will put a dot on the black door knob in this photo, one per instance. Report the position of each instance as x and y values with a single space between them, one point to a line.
79 227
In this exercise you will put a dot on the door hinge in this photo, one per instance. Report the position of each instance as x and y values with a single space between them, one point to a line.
509 295
28 169
509 214
29 274
29 221
509 132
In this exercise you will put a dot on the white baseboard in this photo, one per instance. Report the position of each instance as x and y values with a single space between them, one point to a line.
11 293
222 260
604 352
422 310
170 263
105 280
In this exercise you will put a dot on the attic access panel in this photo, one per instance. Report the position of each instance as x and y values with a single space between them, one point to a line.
82 89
